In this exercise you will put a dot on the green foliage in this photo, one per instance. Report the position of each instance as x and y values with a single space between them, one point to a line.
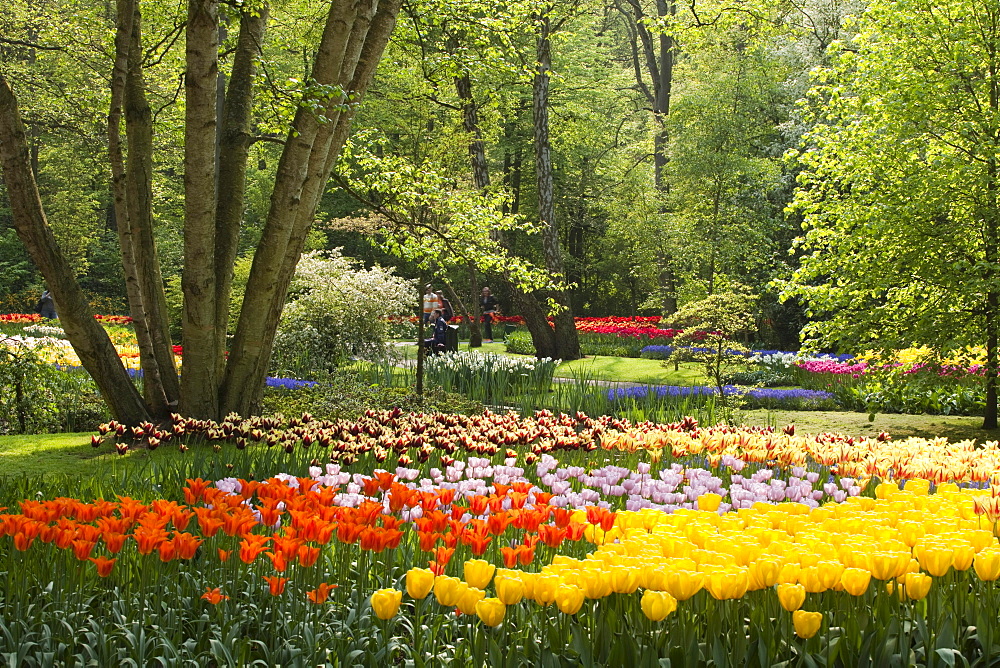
519 342
345 395
37 397
896 389
711 327
899 181
491 378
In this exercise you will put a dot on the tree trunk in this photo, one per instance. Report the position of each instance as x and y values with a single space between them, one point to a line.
543 337
476 313
234 147
566 339
658 55
159 370
153 389
90 341
992 313
352 44
199 381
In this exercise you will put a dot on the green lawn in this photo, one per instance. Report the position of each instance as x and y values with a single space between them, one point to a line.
49 454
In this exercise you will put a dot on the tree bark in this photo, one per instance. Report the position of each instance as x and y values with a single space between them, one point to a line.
352 44
234 147
199 381
566 339
159 369
153 390
90 341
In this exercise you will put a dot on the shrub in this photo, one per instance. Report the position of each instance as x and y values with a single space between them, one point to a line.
519 343
38 397
344 395
338 311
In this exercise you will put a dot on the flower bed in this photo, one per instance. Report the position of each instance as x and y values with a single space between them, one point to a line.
560 538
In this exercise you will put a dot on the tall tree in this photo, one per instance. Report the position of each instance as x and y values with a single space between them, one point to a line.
900 191
353 38
565 340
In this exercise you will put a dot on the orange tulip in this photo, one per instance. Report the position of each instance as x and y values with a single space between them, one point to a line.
276 584
214 596
104 565
321 593
308 555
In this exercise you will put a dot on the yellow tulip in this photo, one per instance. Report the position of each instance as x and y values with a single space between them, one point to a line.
806 623
419 582
509 590
656 605
469 598
963 556
529 580
765 572
789 573
917 585
385 602
888 565
987 564
569 599
791 596
709 502
682 585
855 581
478 573
936 560
545 589
624 580
724 585
448 589
596 584
491 611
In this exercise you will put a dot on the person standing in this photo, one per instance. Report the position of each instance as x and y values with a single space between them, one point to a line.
430 303
488 305
46 306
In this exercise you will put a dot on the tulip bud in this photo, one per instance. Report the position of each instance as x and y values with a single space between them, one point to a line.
469 598
791 596
419 582
510 590
656 605
385 603
478 573
491 611
806 624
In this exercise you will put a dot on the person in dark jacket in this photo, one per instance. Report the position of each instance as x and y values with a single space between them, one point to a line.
46 307
488 305
436 343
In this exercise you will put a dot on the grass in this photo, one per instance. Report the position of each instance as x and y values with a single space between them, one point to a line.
48 454
952 427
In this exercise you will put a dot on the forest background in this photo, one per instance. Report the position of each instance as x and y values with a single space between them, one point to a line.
645 154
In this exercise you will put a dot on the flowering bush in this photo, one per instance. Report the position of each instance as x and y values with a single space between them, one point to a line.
337 311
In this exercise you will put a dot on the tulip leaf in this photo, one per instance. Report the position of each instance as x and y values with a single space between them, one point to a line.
947 655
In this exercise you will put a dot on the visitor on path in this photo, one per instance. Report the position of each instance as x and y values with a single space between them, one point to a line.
46 306
488 305
436 344
430 303
446 311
